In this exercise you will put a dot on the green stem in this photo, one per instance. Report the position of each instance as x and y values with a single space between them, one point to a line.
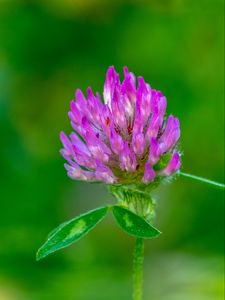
138 269
204 180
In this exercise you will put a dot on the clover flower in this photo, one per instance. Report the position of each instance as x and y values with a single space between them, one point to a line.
125 139
128 143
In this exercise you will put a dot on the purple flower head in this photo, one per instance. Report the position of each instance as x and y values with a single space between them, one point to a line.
124 140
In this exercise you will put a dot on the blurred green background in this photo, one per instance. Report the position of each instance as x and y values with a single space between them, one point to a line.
47 50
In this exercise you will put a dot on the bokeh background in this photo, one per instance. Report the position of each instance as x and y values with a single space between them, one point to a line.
47 50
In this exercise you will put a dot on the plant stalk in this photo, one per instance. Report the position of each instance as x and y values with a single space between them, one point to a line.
138 269
204 180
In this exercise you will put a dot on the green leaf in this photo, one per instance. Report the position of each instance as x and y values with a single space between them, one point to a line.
133 224
71 231
56 229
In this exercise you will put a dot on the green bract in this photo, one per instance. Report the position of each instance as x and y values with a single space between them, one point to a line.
136 198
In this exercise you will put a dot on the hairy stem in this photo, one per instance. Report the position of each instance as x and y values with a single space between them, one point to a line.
204 180
138 269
